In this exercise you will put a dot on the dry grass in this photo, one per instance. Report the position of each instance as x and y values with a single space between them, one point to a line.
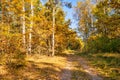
55 60
45 68
107 64
37 67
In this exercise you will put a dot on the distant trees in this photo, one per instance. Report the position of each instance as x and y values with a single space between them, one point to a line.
101 23
85 20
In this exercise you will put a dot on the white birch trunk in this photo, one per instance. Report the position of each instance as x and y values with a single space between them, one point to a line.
31 26
23 26
53 35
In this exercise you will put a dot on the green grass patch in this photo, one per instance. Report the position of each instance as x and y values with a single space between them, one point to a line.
107 64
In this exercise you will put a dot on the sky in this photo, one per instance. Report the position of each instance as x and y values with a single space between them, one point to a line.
69 13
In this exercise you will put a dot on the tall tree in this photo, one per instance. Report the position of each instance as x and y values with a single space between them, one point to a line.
53 35
31 26
55 5
85 19
23 25
105 12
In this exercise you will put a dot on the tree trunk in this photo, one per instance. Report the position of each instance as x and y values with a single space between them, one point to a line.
23 26
2 11
53 35
31 25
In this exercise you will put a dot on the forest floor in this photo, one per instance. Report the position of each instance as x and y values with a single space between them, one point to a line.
39 67
78 68
106 64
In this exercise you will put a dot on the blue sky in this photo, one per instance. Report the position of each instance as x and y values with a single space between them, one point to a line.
69 13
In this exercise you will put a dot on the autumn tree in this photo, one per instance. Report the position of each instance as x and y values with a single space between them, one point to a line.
85 19
107 23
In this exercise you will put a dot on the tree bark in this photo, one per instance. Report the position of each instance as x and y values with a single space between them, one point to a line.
53 35
31 26
23 26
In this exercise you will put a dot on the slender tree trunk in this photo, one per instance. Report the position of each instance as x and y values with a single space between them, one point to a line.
2 11
31 25
2 14
9 28
23 26
53 35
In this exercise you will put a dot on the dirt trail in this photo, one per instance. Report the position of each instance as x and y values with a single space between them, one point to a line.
67 71
70 67
88 69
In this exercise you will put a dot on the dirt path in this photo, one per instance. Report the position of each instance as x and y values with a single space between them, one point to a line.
88 69
68 67
68 71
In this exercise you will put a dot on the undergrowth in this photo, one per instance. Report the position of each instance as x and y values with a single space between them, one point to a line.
107 64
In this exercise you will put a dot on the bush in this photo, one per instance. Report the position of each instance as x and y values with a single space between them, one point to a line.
103 44
13 54
16 61
114 45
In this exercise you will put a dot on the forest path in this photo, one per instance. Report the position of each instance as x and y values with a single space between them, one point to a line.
66 72
40 67
88 69
77 68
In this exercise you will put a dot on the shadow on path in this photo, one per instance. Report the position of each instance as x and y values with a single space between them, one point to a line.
77 68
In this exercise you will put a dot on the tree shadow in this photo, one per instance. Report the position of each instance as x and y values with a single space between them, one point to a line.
81 74
32 71
49 71
78 73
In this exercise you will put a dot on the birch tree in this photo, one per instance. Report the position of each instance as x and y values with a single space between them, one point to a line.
53 33
85 19
23 25
31 26
55 4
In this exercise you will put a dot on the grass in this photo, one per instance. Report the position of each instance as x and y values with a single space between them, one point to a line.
107 64
36 67
43 67
79 74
